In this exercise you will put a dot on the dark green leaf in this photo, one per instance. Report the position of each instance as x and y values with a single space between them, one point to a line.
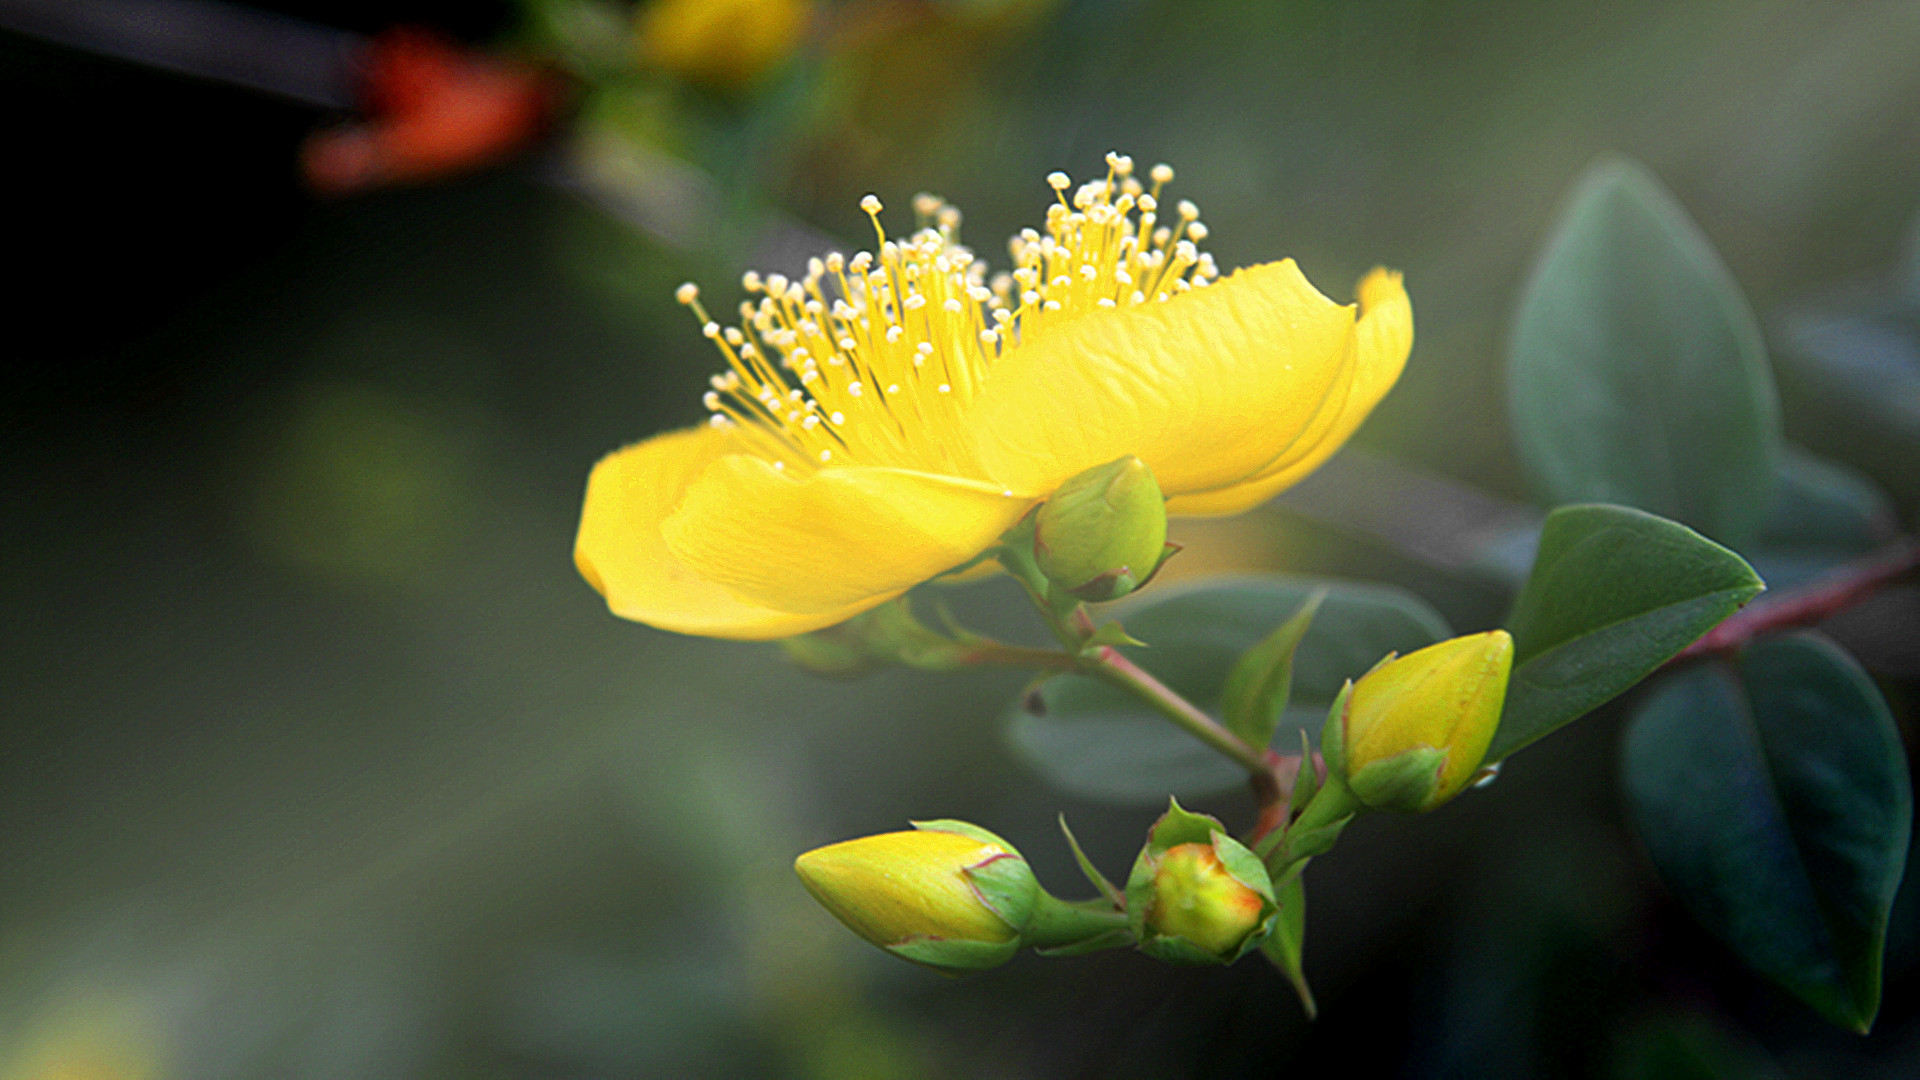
1637 374
1773 795
1261 680
1856 375
1824 513
1098 741
1614 593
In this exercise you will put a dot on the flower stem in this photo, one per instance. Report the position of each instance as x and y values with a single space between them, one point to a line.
1106 662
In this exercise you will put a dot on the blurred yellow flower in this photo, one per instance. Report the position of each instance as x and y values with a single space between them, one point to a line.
888 416
725 44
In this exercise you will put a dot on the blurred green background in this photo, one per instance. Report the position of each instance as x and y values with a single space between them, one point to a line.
319 760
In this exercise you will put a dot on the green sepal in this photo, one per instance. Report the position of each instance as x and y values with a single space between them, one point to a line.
1261 681
1285 944
1333 736
1243 865
1306 783
1005 883
953 957
1405 782
1093 875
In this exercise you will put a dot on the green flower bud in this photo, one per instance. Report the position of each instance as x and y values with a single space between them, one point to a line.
1415 729
1196 895
1104 533
947 895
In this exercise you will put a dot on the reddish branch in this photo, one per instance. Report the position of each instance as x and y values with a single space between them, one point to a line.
1811 603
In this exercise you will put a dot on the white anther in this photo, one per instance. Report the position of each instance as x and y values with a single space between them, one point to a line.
952 305
946 389
1105 302
894 332
915 302
838 417
893 388
925 348
1059 181
687 293
1198 230
854 388
711 329
827 455
1188 211
711 400
871 204
1162 173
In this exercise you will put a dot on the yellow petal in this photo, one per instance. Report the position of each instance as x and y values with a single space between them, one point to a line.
841 540
1208 388
622 555
1385 336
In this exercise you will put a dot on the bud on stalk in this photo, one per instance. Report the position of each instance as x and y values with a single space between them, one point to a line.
948 895
1104 532
1414 729
1196 895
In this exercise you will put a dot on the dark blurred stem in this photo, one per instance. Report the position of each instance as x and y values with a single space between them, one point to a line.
1811 603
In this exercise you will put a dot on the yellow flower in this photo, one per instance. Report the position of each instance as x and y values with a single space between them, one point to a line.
888 416
725 44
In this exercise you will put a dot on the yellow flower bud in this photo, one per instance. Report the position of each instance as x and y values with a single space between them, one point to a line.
1194 897
947 894
723 44
1104 532
1415 728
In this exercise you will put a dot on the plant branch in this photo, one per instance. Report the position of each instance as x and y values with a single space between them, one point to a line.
1811 603
1107 663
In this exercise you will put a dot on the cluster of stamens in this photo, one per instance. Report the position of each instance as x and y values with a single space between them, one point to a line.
873 359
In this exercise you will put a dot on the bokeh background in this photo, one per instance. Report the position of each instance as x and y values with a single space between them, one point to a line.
317 758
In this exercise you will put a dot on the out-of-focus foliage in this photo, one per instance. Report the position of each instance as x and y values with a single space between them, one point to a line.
320 762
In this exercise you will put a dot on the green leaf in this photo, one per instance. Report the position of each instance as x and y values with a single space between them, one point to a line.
1283 946
1258 686
1095 740
1636 371
1773 796
1614 593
